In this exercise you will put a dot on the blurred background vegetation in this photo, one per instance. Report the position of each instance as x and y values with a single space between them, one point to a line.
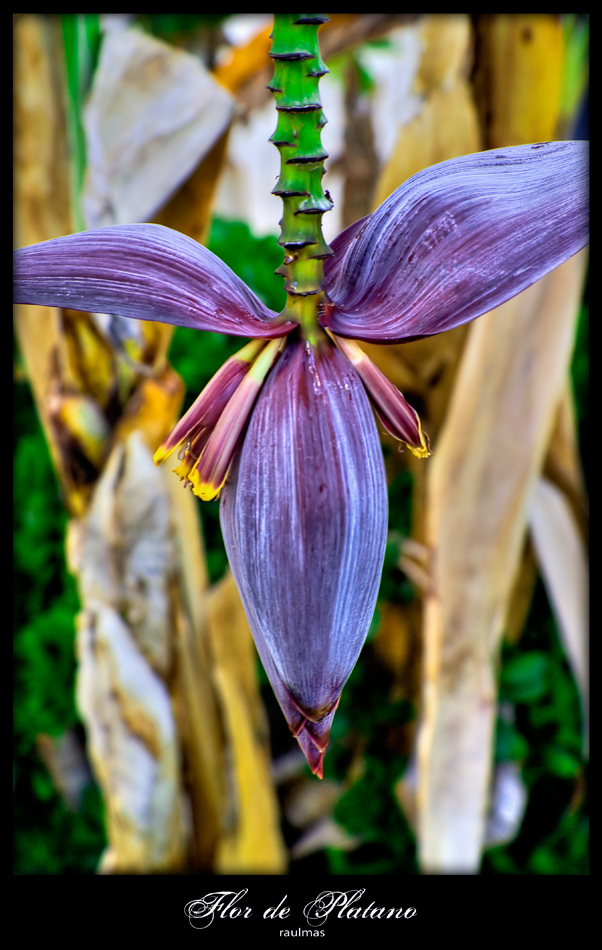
539 728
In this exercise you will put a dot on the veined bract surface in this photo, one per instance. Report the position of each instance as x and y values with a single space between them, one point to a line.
304 519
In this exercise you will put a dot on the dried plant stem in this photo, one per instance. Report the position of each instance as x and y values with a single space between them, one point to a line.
482 476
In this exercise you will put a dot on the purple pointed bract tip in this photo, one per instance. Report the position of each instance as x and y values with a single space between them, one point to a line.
313 740
312 735
315 757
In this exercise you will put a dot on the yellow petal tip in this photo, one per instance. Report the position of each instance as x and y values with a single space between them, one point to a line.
206 491
423 450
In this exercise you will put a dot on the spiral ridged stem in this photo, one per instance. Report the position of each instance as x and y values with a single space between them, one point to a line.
298 68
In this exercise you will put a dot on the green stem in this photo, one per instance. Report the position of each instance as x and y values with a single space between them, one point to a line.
297 71
81 40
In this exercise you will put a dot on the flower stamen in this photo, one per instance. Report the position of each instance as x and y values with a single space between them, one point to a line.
207 408
210 472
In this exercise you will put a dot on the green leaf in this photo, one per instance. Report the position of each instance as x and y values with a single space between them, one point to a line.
525 678
576 61
510 745
81 40
562 762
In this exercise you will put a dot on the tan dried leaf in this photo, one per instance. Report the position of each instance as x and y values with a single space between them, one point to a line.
480 483
447 40
447 124
154 112
132 744
252 841
563 562
519 77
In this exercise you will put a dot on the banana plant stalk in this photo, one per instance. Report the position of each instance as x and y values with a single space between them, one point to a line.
285 433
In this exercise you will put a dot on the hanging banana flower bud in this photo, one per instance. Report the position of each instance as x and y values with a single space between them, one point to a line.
304 519
285 430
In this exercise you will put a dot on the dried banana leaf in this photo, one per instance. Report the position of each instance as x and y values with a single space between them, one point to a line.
480 484
153 113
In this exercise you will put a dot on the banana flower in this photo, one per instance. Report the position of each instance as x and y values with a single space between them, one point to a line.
285 431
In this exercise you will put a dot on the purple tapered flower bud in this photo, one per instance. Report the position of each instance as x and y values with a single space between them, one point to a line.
304 519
